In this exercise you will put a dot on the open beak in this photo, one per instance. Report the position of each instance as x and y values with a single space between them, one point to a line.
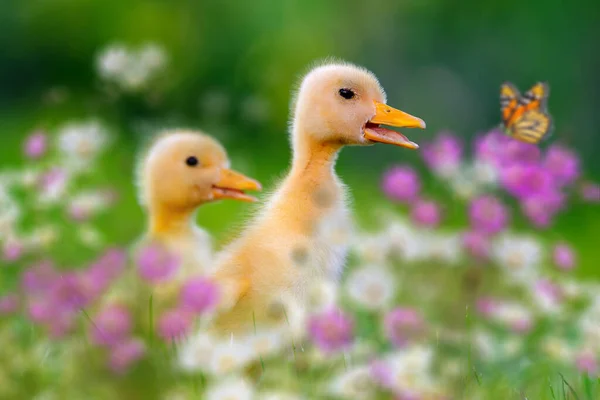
386 115
232 186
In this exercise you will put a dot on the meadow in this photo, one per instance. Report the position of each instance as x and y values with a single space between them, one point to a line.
473 267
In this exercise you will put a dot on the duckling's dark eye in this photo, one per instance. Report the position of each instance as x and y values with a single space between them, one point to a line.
191 161
346 93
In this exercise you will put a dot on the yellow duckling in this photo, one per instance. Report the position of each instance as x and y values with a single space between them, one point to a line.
181 171
291 243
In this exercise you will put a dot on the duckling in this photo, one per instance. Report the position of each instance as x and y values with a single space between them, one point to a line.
289 244
181 171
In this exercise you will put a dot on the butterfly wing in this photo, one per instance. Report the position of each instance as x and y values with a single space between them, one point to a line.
509 101
531 126
536 97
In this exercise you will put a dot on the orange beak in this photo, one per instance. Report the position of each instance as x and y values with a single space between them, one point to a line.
386 115
232 185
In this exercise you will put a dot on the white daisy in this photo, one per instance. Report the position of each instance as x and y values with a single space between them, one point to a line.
356 383
322 295
112 61
518 255
485 173
513 315
229 356
272 395
371 287
372 248
265 342
446 248
196 353
405 241
558 349
233 388
82 142
410 371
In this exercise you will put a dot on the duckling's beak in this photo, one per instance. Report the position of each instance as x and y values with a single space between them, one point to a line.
386 115
232 185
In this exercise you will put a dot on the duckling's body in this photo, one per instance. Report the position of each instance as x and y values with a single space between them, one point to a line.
301 235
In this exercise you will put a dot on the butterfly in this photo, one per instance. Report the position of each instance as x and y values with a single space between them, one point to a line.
525 117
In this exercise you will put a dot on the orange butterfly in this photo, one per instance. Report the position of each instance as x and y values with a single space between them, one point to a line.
526 117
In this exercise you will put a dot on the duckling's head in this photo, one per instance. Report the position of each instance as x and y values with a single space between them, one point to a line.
341 103
184 169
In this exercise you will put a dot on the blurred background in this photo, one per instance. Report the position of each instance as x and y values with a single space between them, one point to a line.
232 65
229 68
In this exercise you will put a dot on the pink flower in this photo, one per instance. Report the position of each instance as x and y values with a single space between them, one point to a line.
444 154
518 152
69 294
587 363
12 251
39 278
547 290
9 304
488 215
486 306
174 324
61 324
426 213
36 145
476 244
381 373
111 325
489 147
540 209
563 164
199 295
401 184
53 182
331 330
564 257
402 325
523 181
40 310
155 264
590 192
125 354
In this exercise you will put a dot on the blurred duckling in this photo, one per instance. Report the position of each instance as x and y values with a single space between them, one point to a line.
301 234
181 171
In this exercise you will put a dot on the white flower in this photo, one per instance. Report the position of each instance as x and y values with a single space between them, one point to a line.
152 56
196 354
88 203
493 349
558 349
228 356
82 142
485 173
513 315
230 389
42 237
410 371
322 294
265 342
372 248
519 256
356 383
131 70
279 396
444 247
371 287
112 61
405 241
464 184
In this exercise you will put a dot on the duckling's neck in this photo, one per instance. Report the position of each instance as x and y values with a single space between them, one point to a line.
311 156
165 221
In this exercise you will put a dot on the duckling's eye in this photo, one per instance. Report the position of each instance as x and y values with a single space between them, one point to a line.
346 93
191 161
